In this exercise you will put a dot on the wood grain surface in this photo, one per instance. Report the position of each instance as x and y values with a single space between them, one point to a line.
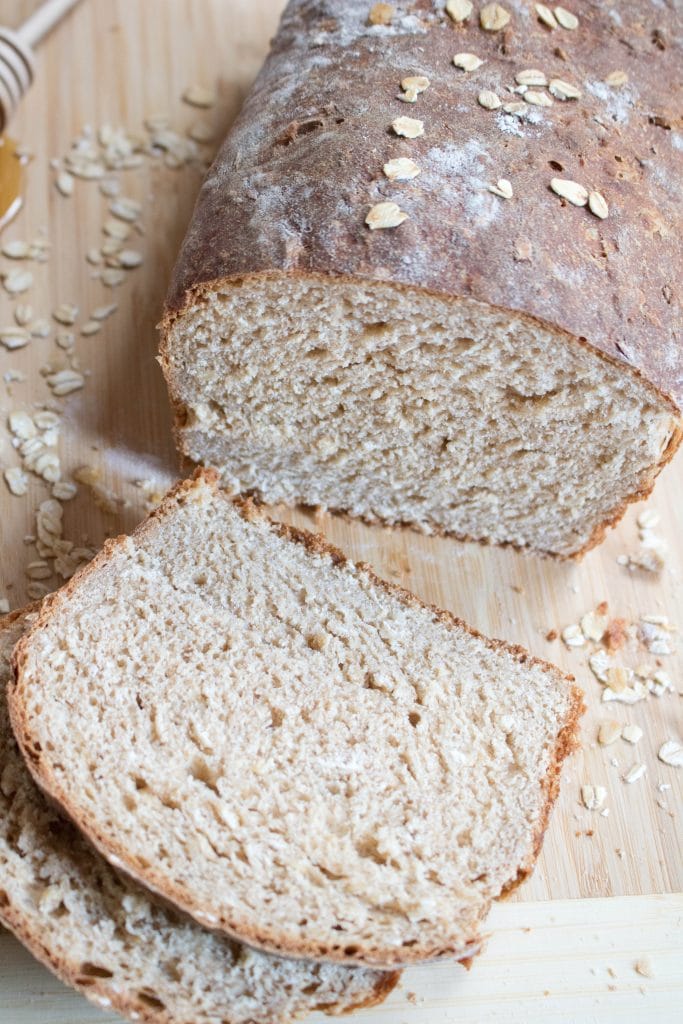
118 62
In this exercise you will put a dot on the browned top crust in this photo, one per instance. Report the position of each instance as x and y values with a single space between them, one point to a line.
291 187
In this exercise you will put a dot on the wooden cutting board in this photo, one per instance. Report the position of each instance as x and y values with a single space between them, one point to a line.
595 902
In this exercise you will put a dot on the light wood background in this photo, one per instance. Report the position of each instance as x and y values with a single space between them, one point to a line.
119 61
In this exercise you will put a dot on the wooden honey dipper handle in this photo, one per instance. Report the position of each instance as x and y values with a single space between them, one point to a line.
17 63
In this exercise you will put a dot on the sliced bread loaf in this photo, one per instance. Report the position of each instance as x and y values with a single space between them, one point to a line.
284 745
118 945
409 318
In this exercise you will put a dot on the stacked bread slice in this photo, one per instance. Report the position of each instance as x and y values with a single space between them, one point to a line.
281 750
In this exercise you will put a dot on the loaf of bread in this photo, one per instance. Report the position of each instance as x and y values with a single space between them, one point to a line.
433 276
116 943
285 746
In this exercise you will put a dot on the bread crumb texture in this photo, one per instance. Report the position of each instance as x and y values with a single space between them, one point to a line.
285 746
119 946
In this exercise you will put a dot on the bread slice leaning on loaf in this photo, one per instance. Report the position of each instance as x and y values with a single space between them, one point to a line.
502 369
284 745
116 943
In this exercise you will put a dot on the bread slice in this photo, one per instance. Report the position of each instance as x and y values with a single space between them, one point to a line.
120 946
284 745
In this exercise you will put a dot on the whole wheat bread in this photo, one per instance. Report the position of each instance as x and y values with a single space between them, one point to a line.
504 369
121 947
285 746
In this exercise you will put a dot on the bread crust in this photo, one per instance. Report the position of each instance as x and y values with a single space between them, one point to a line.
263 937
98 989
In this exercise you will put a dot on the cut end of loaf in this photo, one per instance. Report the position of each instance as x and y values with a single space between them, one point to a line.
399 406
306 757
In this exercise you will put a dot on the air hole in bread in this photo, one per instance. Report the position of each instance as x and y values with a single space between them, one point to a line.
95 971
151 1000
200 770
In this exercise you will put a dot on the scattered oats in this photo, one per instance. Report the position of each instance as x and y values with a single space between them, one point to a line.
488 99
643 967
381 14
660 683
64 490
21 425
16 250
66 314
104 312
416 83
91 327
4 606
65 340
671 753
125 209
517 108
112 277
632 733
467 61
570 190
537 99
201 131
36 591
566 19
619 678
13 376
65 183
198 96
600 665
502 188
635 772
385 215
593 797
71 559
656 635
115 228
401 169
17 281
408 127
648 519
87 169
111 246
546 15
412 86
16 480
593 626
23 314
608 733
631 695
597 204
130 258
573 637
459 10
157 122
109 188
38 570
93 256
562 90
46 464
65 381
45 419
493 17
531 76
40 328
616 78
14 337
